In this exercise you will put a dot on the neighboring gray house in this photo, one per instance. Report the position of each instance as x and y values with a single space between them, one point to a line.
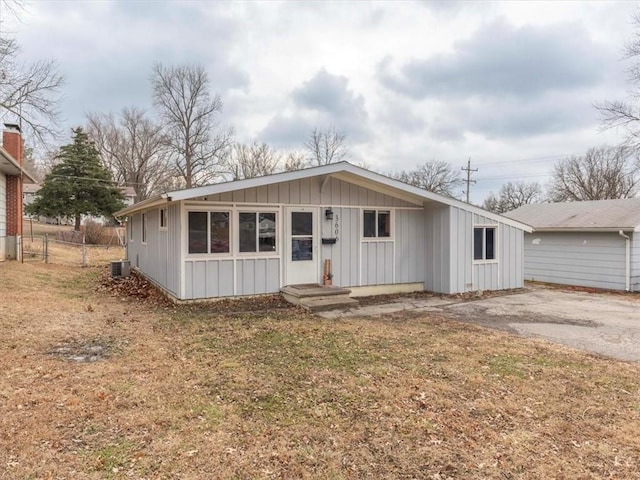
257 235
589 244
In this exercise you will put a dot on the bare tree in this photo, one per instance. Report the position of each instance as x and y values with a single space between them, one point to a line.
295 160
133 148
625 114
436 176
194 137
326 146
513 195
249 161
28 92
602 173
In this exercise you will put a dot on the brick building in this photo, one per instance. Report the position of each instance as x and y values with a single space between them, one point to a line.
12 177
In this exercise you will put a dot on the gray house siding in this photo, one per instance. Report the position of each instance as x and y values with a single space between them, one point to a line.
159 257
309 191
345 253
635 261
571 258
410 246
438 248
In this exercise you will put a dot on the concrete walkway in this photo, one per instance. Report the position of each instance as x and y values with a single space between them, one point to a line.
601 323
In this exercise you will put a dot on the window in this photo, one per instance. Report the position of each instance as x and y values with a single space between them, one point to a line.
376 224
163 218
257 231
209 232
130 223
484 243
144 228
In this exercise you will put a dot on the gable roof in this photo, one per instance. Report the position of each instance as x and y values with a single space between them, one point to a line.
595 215
341 170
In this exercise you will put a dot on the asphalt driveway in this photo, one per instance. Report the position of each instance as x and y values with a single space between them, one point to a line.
602 323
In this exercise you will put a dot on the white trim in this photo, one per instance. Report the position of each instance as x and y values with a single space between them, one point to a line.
496 243
184 234
392 219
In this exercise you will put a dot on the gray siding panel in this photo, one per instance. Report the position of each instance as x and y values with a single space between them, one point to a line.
635 261
410 246
309 191
583 259
377 263
256 276
438 233
344 254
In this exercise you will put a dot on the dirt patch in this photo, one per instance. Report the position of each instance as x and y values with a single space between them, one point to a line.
74 350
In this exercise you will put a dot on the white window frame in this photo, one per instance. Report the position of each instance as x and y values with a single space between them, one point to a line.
143 229
163 216
496 236
391 236
209 211
130 222
256 211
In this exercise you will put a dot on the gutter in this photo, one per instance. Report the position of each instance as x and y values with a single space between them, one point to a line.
627 241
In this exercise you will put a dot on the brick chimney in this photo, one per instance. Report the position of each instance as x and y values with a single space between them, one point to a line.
13 145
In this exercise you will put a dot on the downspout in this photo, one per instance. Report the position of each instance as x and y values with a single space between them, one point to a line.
628 260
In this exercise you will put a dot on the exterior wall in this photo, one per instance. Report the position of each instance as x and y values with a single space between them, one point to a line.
159 258
573 258
450 265
438 248
309 191
345 253
3 215
635 261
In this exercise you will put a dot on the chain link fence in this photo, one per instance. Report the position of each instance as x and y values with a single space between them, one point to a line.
50 249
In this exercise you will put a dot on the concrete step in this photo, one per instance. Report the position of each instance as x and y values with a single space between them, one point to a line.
316 298
333 302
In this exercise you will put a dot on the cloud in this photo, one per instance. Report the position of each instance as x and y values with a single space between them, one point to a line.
322 102
500 59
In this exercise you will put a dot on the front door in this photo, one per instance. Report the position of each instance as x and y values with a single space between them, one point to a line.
302 252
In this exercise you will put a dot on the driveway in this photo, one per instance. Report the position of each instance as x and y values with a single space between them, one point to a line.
606 324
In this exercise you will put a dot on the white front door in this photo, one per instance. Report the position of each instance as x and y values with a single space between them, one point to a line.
301 246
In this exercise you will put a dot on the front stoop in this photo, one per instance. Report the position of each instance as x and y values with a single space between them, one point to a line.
317 298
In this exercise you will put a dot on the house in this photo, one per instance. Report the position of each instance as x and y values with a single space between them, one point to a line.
12 178
255 236
29 194
589 244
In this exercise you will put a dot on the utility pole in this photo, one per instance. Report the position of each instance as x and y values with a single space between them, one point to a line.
469 170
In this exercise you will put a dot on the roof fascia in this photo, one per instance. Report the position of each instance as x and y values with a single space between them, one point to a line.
19 169
585 229
144 205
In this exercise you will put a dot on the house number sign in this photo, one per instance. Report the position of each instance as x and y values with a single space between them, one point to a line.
336 226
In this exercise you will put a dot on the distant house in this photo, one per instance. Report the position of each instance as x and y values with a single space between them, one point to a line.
255 236
590 244
29 194
12 178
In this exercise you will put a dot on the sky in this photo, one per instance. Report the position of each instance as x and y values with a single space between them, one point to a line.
509 85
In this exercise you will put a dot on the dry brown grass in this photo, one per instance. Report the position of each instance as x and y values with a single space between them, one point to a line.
63 253
186 392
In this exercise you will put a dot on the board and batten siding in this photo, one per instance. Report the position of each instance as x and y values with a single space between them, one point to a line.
309 191
159 257
586 259
345 253
635 261
450 264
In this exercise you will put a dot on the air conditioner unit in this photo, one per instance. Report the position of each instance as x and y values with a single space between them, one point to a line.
121 268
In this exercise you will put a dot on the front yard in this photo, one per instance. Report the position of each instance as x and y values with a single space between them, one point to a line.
97 385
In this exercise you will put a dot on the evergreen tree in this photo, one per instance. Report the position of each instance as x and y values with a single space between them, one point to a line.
78 185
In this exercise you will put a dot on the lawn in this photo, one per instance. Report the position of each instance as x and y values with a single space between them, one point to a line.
98 385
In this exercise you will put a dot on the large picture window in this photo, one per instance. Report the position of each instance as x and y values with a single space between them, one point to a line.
376 223
257 231
209 232
484 243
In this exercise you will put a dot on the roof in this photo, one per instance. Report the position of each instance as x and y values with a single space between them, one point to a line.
596 215
10 166
341 170
31 188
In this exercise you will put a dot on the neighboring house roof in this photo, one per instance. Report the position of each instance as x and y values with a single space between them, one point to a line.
341 170
10 166
128 191
596 215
